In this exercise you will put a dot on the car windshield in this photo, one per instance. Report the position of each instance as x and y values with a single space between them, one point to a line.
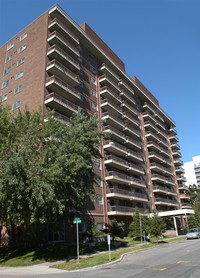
193 230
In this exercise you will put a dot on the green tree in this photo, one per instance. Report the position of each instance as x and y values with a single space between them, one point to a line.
194 220
156 225
134 228
46 166
139 224
116 229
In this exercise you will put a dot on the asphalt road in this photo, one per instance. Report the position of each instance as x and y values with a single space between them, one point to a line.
174 260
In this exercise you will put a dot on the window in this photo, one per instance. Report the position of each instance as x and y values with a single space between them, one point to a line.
9 46
4 97
93 105
93 80
100 226
22 48
23 36
81 83
19 75
5 84
18 90
99 200
21 61
92 69
16 105
82 98
93 92
7 70
8 58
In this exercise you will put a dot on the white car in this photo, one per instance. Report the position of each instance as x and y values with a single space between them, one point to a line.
193 233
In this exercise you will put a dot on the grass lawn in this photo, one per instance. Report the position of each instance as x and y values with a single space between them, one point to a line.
89 256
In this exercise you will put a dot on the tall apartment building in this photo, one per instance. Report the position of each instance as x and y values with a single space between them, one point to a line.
192 171
55 63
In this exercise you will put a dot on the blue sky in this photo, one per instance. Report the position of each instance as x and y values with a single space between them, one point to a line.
158 40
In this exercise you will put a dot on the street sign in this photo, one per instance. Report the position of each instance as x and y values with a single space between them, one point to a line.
77 220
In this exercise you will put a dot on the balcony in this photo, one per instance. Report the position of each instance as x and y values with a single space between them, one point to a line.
159 158
163 189
107 71
55 52
176 154
150 127
126 88
104 80
128 130
116 162
167 202
184 196
130 119
152 146
173 131
157 116
123 210
128 108
120 178
175 146
112 120
115 148
153 137
127 97
179 170
178 162
160 169
55 101
106 92
60 41
108 105
148 107
55 84
61 117
57 69
56 25
162 179
133 168
115 133
173 138
134 156
126 195
133 144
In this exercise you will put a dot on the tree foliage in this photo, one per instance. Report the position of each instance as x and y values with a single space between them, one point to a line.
46 166
116 229
194 221
156 225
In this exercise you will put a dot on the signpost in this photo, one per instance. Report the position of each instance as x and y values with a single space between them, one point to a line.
77 221
108 240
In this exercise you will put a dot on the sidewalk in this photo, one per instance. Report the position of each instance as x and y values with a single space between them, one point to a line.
30 270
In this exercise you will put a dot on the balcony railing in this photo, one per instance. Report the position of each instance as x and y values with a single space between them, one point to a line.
55 50
57 38
55 24
166 201
105 80
162 178
125 179
106 92
105 69
163 189
127 107
53 80
55 98
160 168
127 194
56 68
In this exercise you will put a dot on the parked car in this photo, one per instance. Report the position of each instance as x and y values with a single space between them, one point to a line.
193 233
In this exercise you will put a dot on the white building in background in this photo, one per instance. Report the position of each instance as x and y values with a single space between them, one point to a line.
192 171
